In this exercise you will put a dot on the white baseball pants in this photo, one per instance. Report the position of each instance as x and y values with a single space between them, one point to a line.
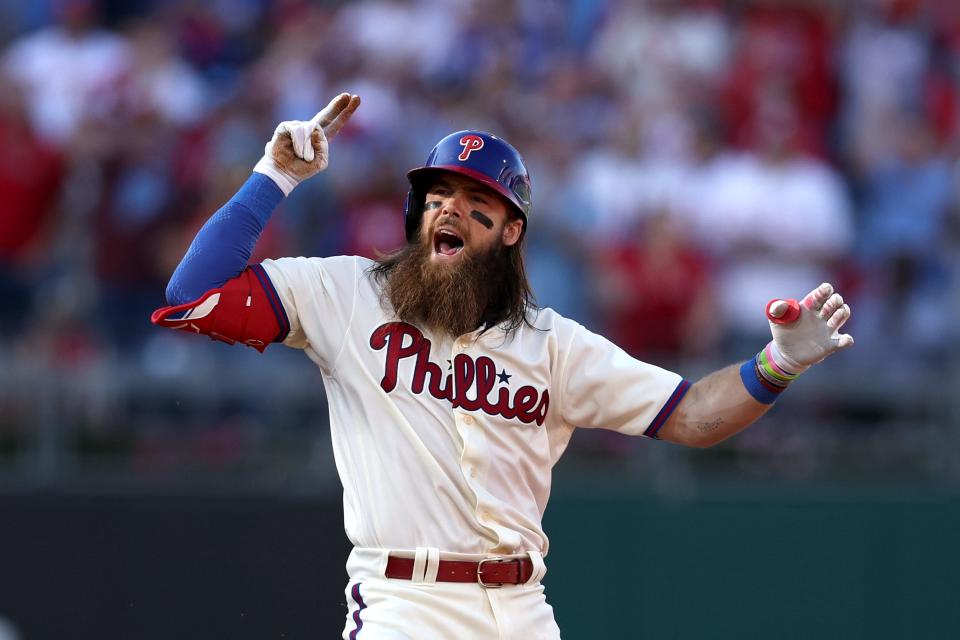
380 608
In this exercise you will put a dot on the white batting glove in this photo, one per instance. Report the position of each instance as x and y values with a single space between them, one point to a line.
299 150
805 333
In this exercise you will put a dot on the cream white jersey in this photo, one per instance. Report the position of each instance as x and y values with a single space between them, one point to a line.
449 442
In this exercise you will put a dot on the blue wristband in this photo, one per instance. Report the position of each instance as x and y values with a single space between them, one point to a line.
756 388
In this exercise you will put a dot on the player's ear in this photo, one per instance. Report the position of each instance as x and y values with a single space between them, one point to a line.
512 231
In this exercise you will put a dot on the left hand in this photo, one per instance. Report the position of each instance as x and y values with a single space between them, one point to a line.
814 333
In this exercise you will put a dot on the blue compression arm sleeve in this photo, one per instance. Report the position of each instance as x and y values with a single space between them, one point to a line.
223 246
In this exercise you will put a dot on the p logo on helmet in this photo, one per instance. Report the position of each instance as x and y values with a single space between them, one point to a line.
470 143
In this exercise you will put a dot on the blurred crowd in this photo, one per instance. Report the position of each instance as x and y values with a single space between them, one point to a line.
690 159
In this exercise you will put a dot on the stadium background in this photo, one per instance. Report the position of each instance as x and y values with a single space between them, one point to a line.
153 486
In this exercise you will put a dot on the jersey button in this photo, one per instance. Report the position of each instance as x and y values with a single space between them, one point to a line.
468 419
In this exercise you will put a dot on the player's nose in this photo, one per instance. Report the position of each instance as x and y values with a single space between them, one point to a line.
455 205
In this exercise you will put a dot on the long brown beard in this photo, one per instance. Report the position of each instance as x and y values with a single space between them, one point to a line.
453 300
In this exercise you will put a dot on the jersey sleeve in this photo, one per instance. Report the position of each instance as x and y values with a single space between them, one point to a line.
603 387
317 297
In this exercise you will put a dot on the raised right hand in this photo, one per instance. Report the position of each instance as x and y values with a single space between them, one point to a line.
299 150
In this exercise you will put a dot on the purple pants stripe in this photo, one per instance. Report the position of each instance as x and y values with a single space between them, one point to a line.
355 593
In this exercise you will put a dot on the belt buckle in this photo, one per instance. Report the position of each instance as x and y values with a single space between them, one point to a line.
495 585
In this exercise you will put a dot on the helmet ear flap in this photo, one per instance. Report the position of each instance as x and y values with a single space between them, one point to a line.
412 213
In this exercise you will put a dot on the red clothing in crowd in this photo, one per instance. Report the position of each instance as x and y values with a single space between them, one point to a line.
660 290
30 177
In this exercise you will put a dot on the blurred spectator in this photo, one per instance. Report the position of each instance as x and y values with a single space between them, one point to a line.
776 219
70 71
159 82
903 244
401 36
876 93
31 172
649 48
370 217
607 178
558 242
290 74
656 293
147 178
136 206
788 46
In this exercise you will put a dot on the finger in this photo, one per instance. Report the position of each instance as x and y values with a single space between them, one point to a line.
833 303
839 317
332 129
783 311
317 139
297 136
843 341
283 129
289 128
307 132
300 134
329 112
815 299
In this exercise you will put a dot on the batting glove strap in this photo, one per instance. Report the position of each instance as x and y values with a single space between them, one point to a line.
269 168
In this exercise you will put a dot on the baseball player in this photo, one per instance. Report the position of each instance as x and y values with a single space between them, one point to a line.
451 395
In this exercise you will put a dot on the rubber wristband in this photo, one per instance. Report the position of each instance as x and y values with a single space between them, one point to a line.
771 372
754 385
767 355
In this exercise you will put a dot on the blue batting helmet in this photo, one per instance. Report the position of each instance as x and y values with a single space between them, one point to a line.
478 155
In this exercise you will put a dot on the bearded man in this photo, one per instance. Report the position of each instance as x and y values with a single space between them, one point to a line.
451 394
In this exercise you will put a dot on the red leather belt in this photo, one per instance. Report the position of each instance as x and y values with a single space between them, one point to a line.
491 572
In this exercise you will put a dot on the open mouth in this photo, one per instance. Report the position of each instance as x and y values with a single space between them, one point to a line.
446 242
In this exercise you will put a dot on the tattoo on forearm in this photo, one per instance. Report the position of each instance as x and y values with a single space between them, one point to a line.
707 427
482 219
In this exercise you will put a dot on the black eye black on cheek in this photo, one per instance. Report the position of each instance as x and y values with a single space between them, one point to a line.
482 219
